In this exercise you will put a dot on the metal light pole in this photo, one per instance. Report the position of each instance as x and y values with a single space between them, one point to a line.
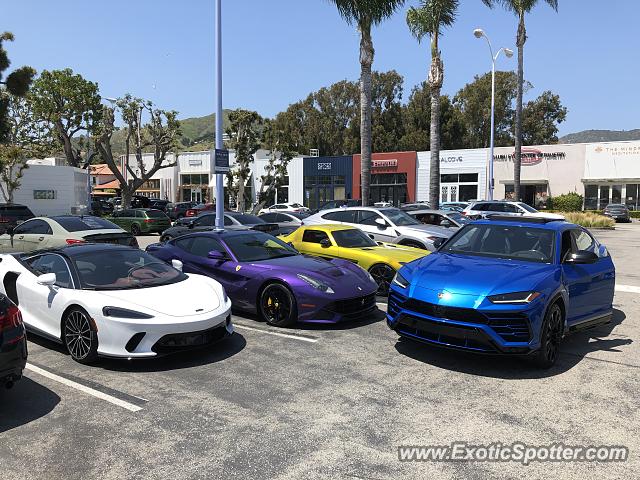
479 33
219 140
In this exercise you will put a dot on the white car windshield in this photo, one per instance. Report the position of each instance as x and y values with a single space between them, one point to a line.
527 208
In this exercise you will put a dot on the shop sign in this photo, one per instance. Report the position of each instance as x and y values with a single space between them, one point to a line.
391 163
451 159
530 156
324 166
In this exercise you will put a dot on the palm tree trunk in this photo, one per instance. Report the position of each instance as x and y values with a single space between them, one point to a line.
517 160
366 60
434 180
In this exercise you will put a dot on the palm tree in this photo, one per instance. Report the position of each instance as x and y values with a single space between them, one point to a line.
520 8
429 19
365 14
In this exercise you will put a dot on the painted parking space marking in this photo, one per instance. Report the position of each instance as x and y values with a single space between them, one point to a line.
627 288
276 334
88 390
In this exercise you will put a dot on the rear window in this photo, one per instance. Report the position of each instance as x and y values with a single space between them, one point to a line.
155 214
245 219
16 210
78 224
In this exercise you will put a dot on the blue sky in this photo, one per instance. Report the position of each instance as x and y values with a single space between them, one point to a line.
277 51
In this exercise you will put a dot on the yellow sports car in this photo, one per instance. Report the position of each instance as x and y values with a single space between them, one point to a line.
381 260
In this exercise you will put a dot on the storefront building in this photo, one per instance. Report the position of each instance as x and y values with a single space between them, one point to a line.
393 177
326 179
463 175
612 175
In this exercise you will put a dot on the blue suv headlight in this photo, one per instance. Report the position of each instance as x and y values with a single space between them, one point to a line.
516 297
400 281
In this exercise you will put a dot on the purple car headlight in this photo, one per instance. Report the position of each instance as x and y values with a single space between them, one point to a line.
317 284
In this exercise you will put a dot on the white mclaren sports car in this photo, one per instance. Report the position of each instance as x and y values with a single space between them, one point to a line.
113 300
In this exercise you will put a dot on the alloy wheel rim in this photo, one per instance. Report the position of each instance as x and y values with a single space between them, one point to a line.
78 335
553 335
275 305
383 275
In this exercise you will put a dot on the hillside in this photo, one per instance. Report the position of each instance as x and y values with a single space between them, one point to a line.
587 136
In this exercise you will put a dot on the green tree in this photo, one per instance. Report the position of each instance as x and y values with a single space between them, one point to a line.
244 137
71 106
26 138
17 83
541 118
429 20
365 14
158 136
520 8
472 101
281 151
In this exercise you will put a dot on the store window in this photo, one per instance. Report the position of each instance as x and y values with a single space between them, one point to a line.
590 197
616 194
631 198
604 197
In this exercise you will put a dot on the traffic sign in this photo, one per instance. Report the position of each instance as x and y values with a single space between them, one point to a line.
221 161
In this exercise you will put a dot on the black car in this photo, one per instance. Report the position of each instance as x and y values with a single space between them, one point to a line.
101 208
158 204
12 214
617 211
13 342
287 221
178 210
137 201
207 221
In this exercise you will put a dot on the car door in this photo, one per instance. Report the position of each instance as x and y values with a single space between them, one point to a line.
367 223
34 235
42 305
311 243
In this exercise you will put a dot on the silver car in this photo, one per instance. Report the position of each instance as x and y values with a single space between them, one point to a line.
390 225
497 207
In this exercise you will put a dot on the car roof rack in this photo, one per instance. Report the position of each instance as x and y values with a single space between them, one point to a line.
524 218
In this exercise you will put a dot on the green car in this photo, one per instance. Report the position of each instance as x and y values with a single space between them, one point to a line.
141 220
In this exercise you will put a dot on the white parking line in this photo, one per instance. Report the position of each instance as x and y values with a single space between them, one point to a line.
627 288
276 334
88 390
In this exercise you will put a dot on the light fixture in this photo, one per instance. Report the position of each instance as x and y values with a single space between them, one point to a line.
478 32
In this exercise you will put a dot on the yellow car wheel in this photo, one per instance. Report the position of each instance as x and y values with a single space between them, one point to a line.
383 275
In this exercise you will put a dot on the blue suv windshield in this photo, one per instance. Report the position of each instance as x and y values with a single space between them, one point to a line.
503 241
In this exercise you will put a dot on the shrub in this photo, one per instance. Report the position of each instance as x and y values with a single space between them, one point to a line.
568 202
590 220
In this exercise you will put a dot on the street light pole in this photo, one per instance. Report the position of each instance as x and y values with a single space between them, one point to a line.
219 140
479 33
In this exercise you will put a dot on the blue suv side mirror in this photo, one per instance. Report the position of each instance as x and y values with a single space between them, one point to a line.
582 257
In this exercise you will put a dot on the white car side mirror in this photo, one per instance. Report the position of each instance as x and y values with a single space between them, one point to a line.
177 264
48 279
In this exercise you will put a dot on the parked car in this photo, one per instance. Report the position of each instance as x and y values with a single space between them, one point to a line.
114 301
137 201
287 221
207 221
457 206
158 204
381 260
285 207
12 214
199 208
617 211
508 285
13 343
498 207
390 225
340 204
264 275
48 232
141 220
442 218
179 209
101 208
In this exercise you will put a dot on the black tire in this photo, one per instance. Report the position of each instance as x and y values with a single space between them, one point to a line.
550 338
383 275
135 230
79 336
278 305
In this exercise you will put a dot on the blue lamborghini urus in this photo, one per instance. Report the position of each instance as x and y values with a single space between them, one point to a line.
509 285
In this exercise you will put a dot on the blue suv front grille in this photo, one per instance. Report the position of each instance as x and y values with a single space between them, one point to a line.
511 327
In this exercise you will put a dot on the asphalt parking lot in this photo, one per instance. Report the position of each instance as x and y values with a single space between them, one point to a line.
330 402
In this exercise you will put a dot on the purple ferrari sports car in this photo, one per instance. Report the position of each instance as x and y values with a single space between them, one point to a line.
263 275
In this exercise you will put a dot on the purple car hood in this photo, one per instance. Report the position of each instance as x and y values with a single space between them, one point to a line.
332 273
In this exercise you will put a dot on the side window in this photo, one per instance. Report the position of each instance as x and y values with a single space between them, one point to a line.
36 227
481 207
184 243
281 218
206 221
509 208
314 236
367 217
347 216
227 221
201 246
567 245
584 241
269 217
52 264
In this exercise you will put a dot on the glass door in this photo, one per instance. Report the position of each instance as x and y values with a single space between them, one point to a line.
196 195
449 193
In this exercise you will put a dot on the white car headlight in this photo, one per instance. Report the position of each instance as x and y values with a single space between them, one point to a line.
118 312
317 284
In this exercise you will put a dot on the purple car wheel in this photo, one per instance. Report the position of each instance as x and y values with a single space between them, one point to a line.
383 275
277 305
